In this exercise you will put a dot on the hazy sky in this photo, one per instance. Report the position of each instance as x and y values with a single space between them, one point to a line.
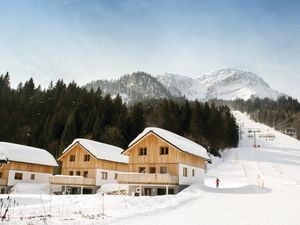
86 40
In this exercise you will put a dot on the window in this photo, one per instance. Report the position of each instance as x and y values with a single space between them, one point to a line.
171 191
85 173
143 151
116 176
87 158
163 169
72 158
104 175
161 191
152 170
185 172
142 170
32 176
77 173
193 172
164 150
0 174
71 173
18 176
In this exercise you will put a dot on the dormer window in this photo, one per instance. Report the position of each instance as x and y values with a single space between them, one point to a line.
164 150
142 151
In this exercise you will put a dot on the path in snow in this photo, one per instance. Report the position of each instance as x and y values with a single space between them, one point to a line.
240 198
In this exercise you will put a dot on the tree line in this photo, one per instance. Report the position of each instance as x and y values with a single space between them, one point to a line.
280 114
52 118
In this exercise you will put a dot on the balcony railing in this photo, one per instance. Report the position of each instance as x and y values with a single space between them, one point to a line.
72 180
147 178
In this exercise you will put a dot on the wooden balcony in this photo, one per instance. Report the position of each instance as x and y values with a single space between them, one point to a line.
147 178
3 182
72 180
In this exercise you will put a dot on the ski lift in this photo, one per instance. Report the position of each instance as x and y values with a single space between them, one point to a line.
291 132
268 136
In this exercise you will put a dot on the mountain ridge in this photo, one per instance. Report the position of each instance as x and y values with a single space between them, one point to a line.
224 84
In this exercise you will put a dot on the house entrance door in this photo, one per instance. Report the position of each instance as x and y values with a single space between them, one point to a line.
148 191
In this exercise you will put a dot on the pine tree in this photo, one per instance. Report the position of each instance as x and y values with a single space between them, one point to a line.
136 121
97 128
113 136
70 132
186 117
52 118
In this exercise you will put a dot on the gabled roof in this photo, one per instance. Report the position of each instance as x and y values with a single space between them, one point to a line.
100 150
23 153
179 142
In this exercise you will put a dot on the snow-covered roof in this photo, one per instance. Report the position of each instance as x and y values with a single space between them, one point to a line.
176 140
3 158
23 153
101 150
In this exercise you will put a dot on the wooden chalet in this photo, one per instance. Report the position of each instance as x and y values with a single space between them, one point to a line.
20 163
162 162
86 165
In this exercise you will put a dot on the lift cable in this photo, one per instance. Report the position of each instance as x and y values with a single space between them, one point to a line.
280 124
292 122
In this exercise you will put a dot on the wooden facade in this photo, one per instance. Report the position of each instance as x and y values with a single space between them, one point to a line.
72 180
78 161
22 166
147 178
154 158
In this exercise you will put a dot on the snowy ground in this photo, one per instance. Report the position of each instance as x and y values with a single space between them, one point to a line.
239 200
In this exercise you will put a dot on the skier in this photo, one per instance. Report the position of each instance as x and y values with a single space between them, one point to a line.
217 182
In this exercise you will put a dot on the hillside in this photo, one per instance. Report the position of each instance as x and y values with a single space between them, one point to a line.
240 200
132 88
225 84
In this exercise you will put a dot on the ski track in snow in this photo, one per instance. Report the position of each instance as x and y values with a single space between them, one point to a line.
240 200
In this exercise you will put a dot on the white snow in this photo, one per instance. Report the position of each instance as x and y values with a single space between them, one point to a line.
101 150
113 187
178 141
23 153
29 188
226 84
240 200
180 85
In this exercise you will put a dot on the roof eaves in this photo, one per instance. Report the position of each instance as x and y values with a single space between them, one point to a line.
77 142
151 131
68 149
123 152
178 147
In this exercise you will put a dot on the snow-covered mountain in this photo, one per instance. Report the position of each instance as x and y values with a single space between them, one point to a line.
226 84
134 87
186 86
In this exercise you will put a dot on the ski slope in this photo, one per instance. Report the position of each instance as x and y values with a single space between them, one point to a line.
259 186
